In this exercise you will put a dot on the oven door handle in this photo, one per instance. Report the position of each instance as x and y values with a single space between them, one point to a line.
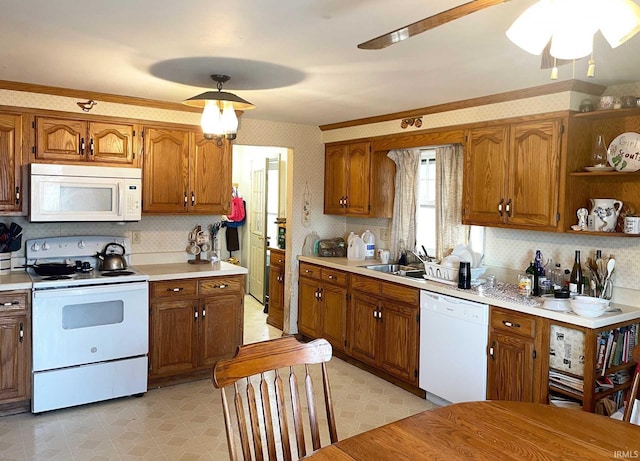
118 198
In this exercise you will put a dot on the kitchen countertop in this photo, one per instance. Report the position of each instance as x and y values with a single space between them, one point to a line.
493 297
157 272
15 280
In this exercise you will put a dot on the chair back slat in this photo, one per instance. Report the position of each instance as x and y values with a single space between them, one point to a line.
242 424
635 385
297 413
255 423
282 417
256 418
311 404
328 404
268 417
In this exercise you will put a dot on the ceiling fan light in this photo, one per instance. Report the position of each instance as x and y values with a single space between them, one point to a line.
229 120
620 20
532 30
569 44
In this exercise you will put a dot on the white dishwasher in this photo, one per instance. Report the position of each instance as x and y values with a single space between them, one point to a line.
453 348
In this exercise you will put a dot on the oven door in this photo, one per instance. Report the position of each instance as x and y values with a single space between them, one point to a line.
75 326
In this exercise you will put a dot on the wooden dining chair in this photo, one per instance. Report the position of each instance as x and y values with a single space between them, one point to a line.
257 379
633 392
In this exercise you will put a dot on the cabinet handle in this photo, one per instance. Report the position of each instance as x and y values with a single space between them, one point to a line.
81 149
193 199
18 195
175 289
204 312
491 350
185 200
21 331
331 277
380 315
506 323
346 201
508 208
221 286
281 261
375 314
195 313
500 207
11 303
91 148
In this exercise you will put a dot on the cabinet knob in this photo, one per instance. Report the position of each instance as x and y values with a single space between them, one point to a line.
506 323
332 277
500 207
175 289
508 208
220 286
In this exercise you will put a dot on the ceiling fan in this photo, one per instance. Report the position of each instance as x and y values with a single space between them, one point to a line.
426 24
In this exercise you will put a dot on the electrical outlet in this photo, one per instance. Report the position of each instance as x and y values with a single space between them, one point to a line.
384 234
136 237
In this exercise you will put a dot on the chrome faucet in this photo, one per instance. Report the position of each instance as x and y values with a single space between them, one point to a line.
417 256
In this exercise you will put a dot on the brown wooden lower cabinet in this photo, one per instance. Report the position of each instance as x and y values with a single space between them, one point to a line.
15 351
276 288
516 366
192 324
322 304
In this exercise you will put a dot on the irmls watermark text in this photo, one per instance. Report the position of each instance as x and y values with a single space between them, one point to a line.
626 454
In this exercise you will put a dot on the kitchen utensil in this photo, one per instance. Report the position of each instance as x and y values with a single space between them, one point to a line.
112 261
624 152
51 269
426 255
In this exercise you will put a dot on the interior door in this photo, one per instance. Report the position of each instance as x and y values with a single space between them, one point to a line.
257 229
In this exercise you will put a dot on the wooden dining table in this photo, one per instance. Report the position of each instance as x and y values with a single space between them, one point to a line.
492 430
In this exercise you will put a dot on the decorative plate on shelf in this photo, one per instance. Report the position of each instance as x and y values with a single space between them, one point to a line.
599 168
624 152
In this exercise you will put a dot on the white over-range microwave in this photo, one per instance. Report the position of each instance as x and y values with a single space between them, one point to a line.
84 193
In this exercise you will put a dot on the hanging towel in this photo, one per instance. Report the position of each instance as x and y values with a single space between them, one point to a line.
233 243
237 209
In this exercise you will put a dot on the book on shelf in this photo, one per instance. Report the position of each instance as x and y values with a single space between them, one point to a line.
566 382
605 382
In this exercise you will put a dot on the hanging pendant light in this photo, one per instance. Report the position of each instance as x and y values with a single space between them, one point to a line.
219 117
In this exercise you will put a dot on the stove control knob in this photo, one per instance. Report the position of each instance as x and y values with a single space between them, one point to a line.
81 244
35 247
46 246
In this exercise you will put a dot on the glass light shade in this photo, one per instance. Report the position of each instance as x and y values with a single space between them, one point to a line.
229 120
211 120
620 20
532 30
568 44
576 22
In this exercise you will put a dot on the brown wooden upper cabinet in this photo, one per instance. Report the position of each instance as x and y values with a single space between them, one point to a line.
66 140
185 173
10 162
358 182
512 175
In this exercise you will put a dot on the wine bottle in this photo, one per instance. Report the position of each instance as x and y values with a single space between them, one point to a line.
575 280
533 270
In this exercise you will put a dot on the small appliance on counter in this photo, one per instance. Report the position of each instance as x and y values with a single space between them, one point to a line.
332 247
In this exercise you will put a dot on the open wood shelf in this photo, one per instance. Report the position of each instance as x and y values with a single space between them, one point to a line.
602 234
593 174
574 395
608 113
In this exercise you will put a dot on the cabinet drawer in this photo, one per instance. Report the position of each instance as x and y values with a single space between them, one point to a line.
276 258
514 322
182 287
334 276
309 270
11 301
366 285
217 285
400 293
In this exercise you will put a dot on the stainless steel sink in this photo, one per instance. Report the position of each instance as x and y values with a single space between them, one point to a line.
397 269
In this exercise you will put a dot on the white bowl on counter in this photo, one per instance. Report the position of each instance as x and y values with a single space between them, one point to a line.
586 306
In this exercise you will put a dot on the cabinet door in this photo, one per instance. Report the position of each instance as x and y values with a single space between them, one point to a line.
210 177
165 170
308 309
335 180
534 174
485 170
334 315
276 296
363 324
14 357
10 162
511 368
174 324
59 139
111 143
358 178
398 340
220 327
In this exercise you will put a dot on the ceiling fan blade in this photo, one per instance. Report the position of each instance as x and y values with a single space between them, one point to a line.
425 24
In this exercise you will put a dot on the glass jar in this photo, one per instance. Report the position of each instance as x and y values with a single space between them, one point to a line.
599 155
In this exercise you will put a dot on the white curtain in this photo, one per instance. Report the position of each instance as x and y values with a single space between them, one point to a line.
403 223
450 230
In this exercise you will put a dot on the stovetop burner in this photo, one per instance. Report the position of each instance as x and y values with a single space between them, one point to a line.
116 273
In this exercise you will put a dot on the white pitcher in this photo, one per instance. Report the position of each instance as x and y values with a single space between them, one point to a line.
605 213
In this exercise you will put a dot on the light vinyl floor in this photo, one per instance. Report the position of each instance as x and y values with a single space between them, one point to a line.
184 422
